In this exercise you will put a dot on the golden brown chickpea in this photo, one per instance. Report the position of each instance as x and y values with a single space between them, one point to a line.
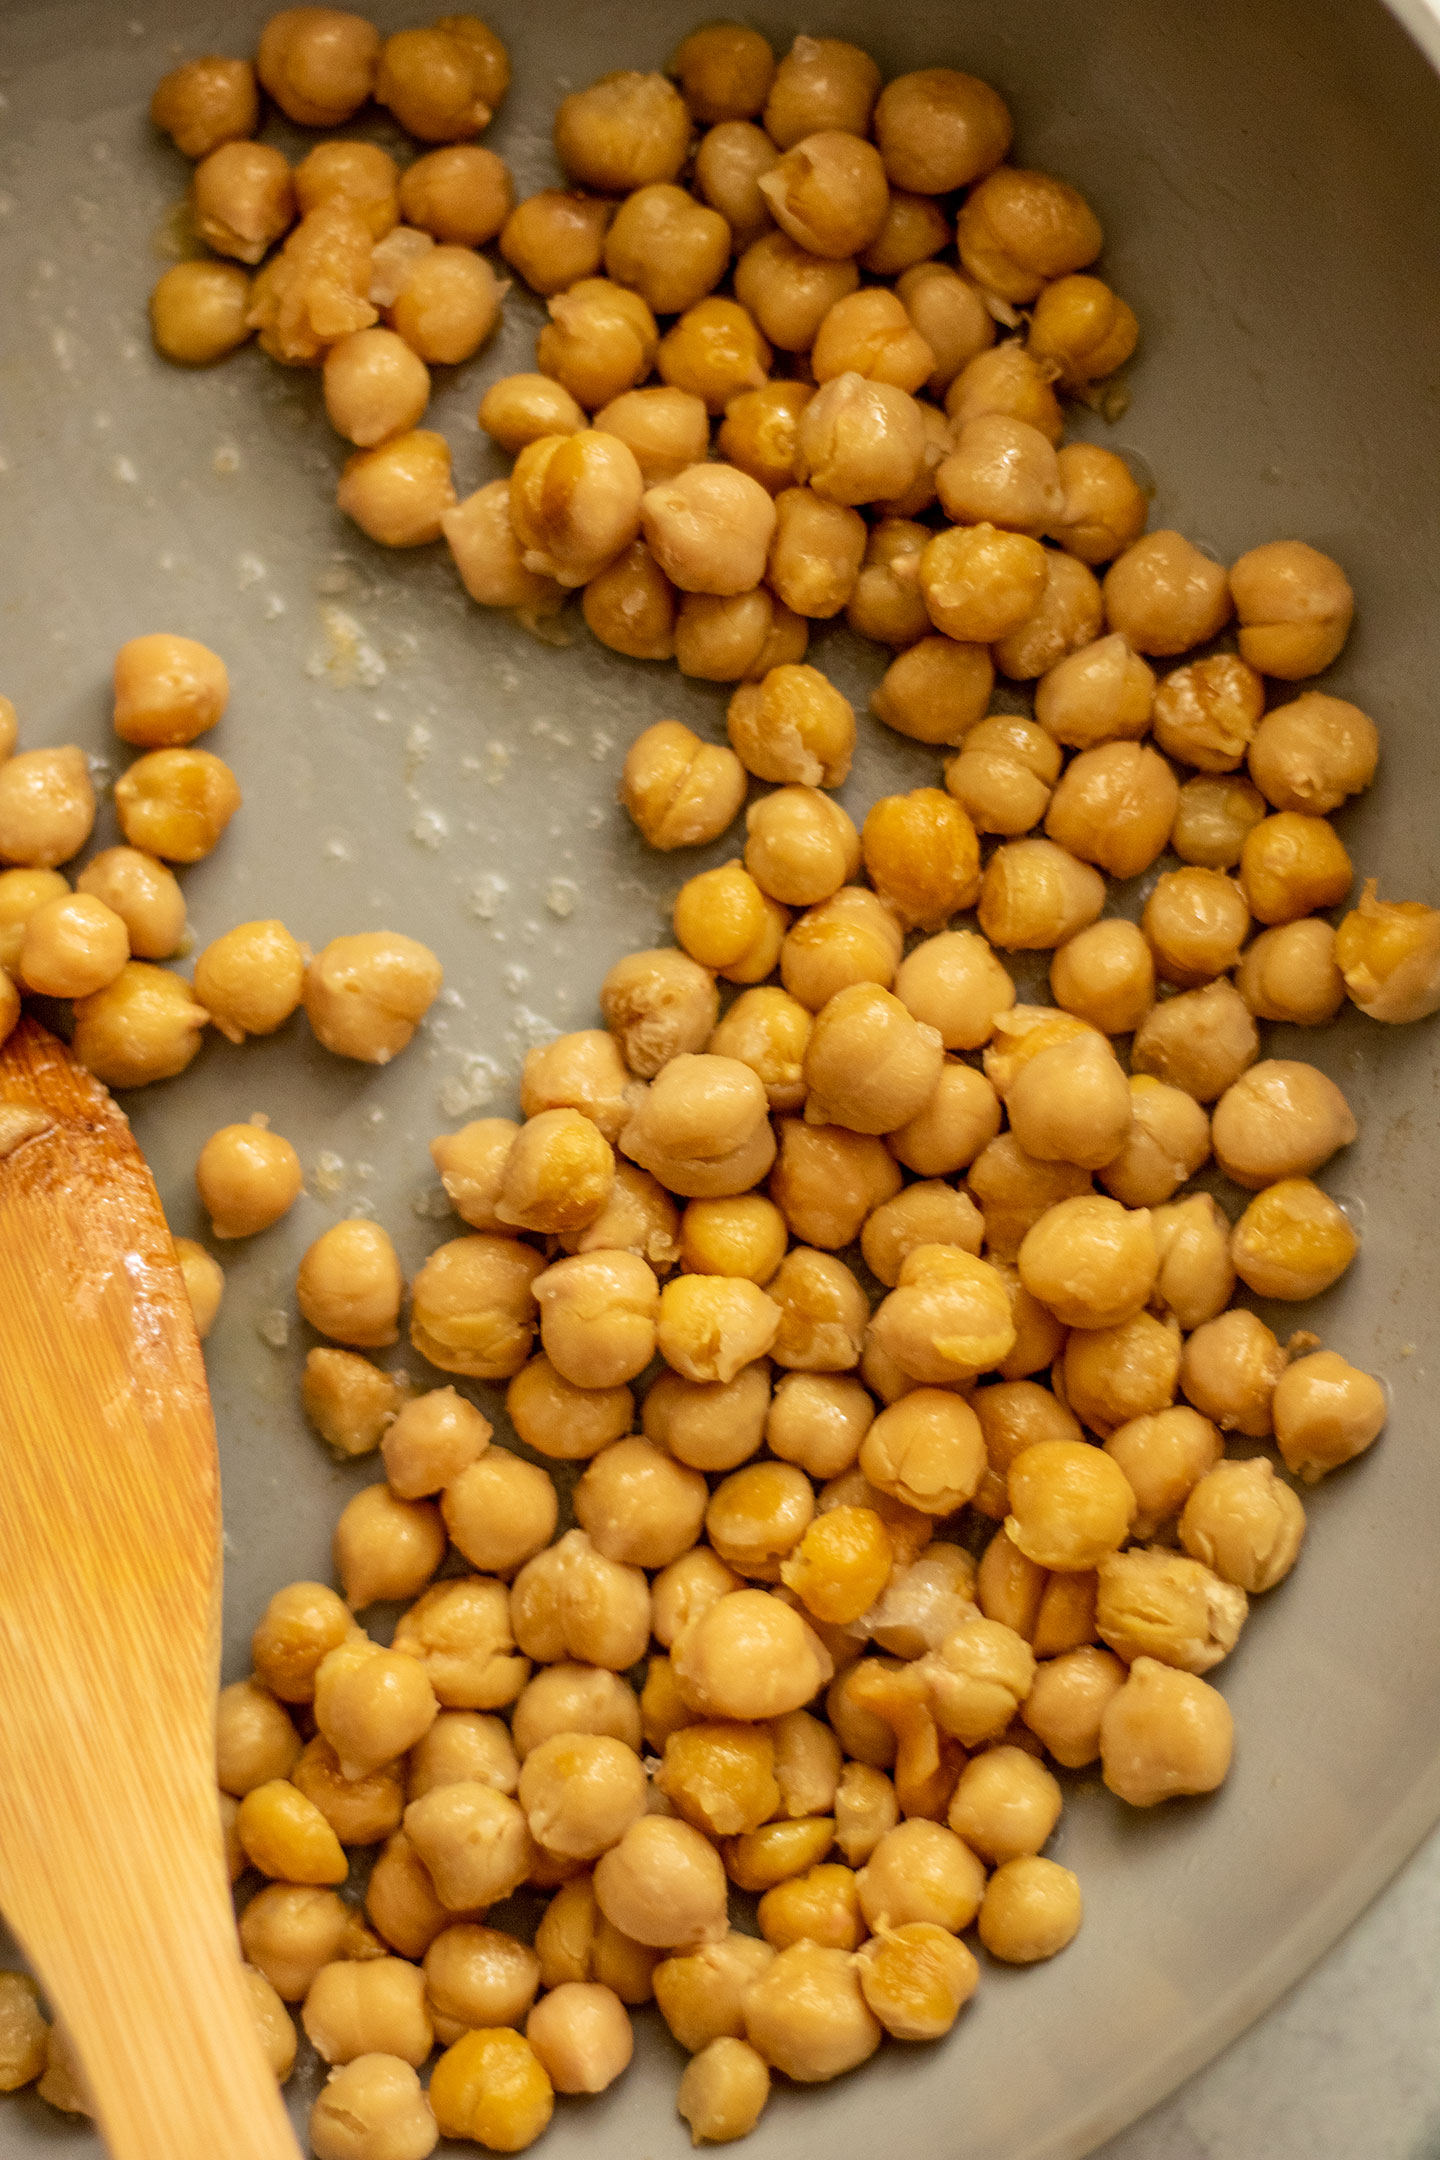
242 198
1310 754
1388 953
710 529
948 1317
567 1423
255 1741
1114 806
980 582
920 1871
1083 330
366 995
658 1005
1035 895
801 847
557 1176
702 1128
1292 1241
1168 1140
575 503
47 807
724 71
630 606
1020 229
349 1285
712 1326
301 1625
1114 1374
199 312
555 238
376 386
748 1655
1006 1804
663 1884
793 726
1295 606
859 441
818 1907
1244 1522
927 1450
400 1899
816 553
143 1026
1207 713
955 984
1281 1119
1164 1455
173 803
869 1065
729 163
487 554
472 1307
1229 1371
758 432
1002 472
915 229
788 289
441 86
737 636
1213 818
1293 865
950 315
1196 1276
1195 921
448 306
399 491
1032 1910
73 946
691 1584
581 1071
1105 975
1092 1261
667 247
1103 508
638 1505
492 2086
247 1178
714 353
250 980
600 340
461 195
430 1440
939 130
961 1116
1070 1505
699 1992
519 409
1004 380
360 175
317 289
360 1811
806 2015
626 131
1066 618
767 1030
922 856
720 1777
597 1317
1164 1733
827 1180
821 83
1201 1041
318 63
1165 596
204 103
1291 973
869 333
1004 774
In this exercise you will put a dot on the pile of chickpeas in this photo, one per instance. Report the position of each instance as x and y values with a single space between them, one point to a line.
869 1346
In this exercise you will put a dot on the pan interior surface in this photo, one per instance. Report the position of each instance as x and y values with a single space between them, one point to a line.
1268 175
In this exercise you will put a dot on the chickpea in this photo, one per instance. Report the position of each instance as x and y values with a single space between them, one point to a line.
667 429
930 1213
806 2016
709 1425
886 603
815 557
460 1633
1083 329
1310 754
289 1931
369 2107
727 638
471 1164
47 806
438 85
1014 1415
473 1307
724 71
1105 975
385 1547
801 846
710 529
758 432
788 289
947 1319
581 2033
247 1178
823 1313
748 1655
869 333
399 491
981 582
1207 712
143 1026
1388 955
1201 1041
283 1834
301 1625
461 195
491 2086
729 163
1066 618
1114 806
1004 381
828 1179
1196 921
860 441
1292 1241
318 64
1164 1456
1165 596
914 230
757 1516
173 803
349 1285
1168 1140
920 1872
659 1006
1295 606
961 1116
1244 1522
1065 1095
667 247
818 1907
580 1792
821 83
720 1777
950 315
723 2091
570 1698
449 305
1196 1278
555 238
1032 1910
371 2008
1280 1119
922 855
1212 819
1229 1371
702 1129
1092 1261
626 131
366 995
1103 509
1102 693
464 1747
793 726
473 1841
663 1884
1156 1604
1013 1191
1018 230
562 1421
639 1505
574 503
500 1511
488 556
204 103
714 353
73 946
1005 1806
1035 895
869 1065
1002 472
242 198
955 984
700 1992
1125 1371
318 288
570 1601
376 386
927 1450
767 1029
1070 1505
400 1899
360 1811
255 1742
134 886
1003 777
1327 1412
359 175
743 1236
519 409
1165 1732
558 1174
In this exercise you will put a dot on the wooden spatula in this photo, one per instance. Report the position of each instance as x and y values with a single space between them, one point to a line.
111 1865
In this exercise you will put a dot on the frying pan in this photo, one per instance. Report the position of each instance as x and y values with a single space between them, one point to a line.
1268 174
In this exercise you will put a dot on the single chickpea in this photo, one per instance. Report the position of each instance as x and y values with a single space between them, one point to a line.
667 429
788 289
488 556
473 1841
922 855
1106 976
561 1421
868 333
1164 1456
442 86
723 2091
570 1601
720 1777
242 197
748 1655
1066 1705
815 557
1070 1504
1035 895
738 636
1013 1415
1032 1910
806 2016
365 995
758 432
1103 508
1004 380
724 71
1388 955
1200 1041
376 386
939 130
917 1979
372 2106
400 1900
920 1872
136 887
702 1128
663 1884
1295 607
318 63
869 1065
1092 1261
519 409
555 238
360 1811
247 1178
710 1425
955 984
173 803
981 582
1113 1374
729 163
819 1907
659 1006
255 1742
767 1030
477 1977
1196 922
73 946
1207 713
360 175
471 1164
500 1511
461 195
1165 1732
143 1026
580 1792
1005 1806
385 1547
961 1116
927 1450
626 131
1013 1191
1114 806
581 2033
1168 1140
581 1071
1002 473
929 1213
1310 754
1281 1119
47 807
377 2007
915 229
1070 1102
1292 1241
640 1217
801 846
860 441
667 247
449 305
1326 1412
574 504
301 1625
473 1307
1083 329
823 1312
1196 1277
792 726
714 353
886 603
1156 1604
349 1285
598 1317
1004 775
289 1931
950 314
462 1746
348 1400
558 1174
1102 693
821 83
827 1180
1165 596
1212 819
709 529
399 491
638 1505
700 1992
757 1516
742 1236
204 103
285 1835
1229 1371
492 2086
199 312
1018 230
1244 1522
571 1698
947 1320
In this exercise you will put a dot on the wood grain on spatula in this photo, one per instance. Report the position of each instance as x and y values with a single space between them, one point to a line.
111 1864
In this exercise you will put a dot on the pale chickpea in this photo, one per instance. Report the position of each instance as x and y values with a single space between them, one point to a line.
371 1704
1281 1119
566 1423
723 2091
488 556
1005 380
430 1440
580 1792
1004 774
349 1285
574 503
1165 1732
459 1632
377 2007
371 2106
1113 1374
1295 606
920 1871
1013 1191
1229 1371
667 247
1032 1910
471 1164
1196 921
827 1179
1092 1261
1244 1522
1326 1412
1165 1455
318 63
1002 472
1200 1041
242 197
474 1842
735 637
477 1977
714 353
199 312
1102 693
626 131
400 1900
823 1312
1207 713
572 1698
569 1601
597 1317
473 1307
709 529
555 238
255 1742
1386 952
73 946
47 807
666 428
448 306
1310 754
461 195
801 847
143 1026
500 1511
1196 1275
640 1217
1083 330
789 290
927 1450
688 1587
1006 1804
365 995
869 1065
663 1885
1105 975
1165 596
961 1117
928 1213
1213 816
793 726
806 2016
1168 1140
748 1655
729 163
869 334
581 2033
950 315
442 84
1018 230
1114 806
955 984
1070 1505
860 441
658 1005
1067 1703
948 1318
1035 895
1103 508
981 582
360 175
519 409
638 1504
816 554
1071 1103
398 492
701 1128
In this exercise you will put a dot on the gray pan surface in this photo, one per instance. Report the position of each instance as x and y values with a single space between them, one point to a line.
1268 173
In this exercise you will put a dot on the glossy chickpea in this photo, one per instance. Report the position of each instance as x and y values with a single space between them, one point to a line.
1035 895
1196 921
519 409
247 1178
1018 230
939 130
801 847
767 1030
558 1174
757 1516
818 1907
640 1218
1082 329
981 582
73 946
667 247
243 198
473 1841
1213 817
135 886
715 353
488 556
1281 1119
821 83
1295 607
199 312
431 1440
663 1884
950 315
1070 1504
349 1285
626 131
570 1601
638 1505
709 529
1244 1522
817 1421
437 85
1200 1041
922 856
1032 1910
580 1792
461 195
1310 754
460 1633
471 1164
1002 473
961 1116
1113 1374
1070 1103
929 1213
1164 1456
255 1742
886 603
1066 1705
1102 693
1292 1241
399 491
947 1319
700 1992
702 1128
473 1309
400 1900
385 1547
376 386
955 984
827 1179
920 1872
143 1026
724 71
204 103
318 63
1196 1276
1103 508
1388 957
1292 865
500 1511
300 1626
1004 381
574 504
720 1777
1208 712
561 1421
1168 1140
597 1317
793 727
927 1450
1006 1805
1004 775
1092 1261
1165 1732
806 2016
1114 806
47 807
823 1312
658 1005
816 554
723 2091
449 305
371 2106
371 1704
860 441
749 1655
914 230
868 333
869 1065
745 1236
462 1746
1229 1371
1165 596
174 803
360 175
788 289
555 238
1066 618
666 429
1158 1604
491 2086
1326 1412
758 432
1106 976
580 1071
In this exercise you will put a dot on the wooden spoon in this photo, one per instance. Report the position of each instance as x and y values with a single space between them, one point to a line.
111 1860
